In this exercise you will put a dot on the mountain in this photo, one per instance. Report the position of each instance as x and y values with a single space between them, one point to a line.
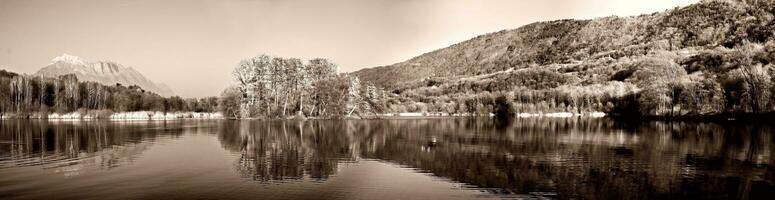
104 72
709 58
574 43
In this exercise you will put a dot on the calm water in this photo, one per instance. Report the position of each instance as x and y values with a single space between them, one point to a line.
580 158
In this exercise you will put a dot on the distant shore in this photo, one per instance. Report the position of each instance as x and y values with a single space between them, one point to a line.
117 116
519 115
157 115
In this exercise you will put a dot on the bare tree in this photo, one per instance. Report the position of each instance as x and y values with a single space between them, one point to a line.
279 83
755 77
353 94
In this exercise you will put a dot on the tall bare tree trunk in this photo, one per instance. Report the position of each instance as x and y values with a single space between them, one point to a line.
285 103
301 103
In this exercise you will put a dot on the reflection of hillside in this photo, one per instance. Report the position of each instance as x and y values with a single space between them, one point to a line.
67 147
588 157
582 158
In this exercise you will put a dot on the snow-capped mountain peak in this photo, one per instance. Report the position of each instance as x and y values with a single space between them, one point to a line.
67 58
105 72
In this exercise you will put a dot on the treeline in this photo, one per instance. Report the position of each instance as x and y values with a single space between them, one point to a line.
478 98
276 87
35 96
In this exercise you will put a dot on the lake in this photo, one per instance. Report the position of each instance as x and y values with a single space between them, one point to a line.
435 158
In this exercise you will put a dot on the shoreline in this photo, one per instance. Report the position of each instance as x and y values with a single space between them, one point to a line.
161 116
118 116
517 115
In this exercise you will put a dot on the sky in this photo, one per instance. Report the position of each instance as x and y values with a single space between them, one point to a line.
193 45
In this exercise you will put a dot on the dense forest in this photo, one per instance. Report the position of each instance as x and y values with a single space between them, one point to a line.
710 58
26 96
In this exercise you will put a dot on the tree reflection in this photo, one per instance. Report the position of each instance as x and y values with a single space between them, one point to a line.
583 158
272 151
574 157
69 146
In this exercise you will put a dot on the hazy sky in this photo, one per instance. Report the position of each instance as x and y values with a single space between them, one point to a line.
193 45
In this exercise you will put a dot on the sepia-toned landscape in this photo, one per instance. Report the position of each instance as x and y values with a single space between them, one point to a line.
675 103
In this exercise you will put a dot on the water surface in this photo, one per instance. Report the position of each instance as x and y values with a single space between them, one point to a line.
447 158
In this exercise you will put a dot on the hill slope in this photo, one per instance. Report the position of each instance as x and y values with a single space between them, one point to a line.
104 72
709 58
704 25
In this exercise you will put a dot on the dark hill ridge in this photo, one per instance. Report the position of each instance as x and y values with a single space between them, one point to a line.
704 25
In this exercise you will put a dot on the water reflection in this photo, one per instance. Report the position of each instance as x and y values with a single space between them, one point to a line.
563 158
579 158
287 151
71 147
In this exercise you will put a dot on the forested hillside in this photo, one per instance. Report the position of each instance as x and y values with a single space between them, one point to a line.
710 58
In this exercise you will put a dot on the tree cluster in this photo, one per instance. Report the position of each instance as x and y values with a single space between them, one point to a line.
276 87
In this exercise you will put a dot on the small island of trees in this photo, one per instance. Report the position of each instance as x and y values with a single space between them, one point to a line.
276 87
